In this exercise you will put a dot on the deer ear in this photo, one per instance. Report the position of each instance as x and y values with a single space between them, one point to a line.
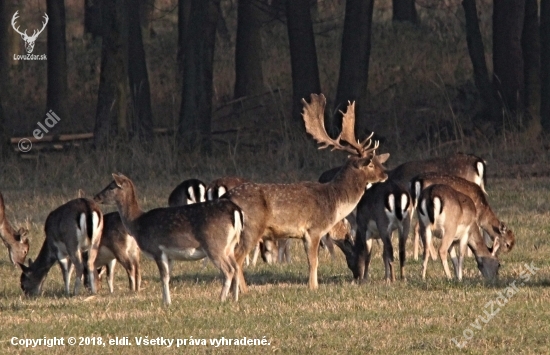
22 232
119 179
496 245
382 158
24 268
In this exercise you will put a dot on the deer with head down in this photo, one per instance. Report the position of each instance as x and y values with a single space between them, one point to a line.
451 215
496 230
14 240
71 229
308 210
188 233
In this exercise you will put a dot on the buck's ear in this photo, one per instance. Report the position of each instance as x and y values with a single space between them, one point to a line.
382 158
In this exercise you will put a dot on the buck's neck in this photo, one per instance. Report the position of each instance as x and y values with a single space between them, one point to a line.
347 187
44 261
129 210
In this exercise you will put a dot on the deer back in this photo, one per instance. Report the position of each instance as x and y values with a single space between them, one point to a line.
219 187
466 166
187 192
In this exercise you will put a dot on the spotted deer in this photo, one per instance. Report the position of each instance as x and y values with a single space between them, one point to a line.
188 192
187 233
486 218
71 229
466 166
308 210
14 240
451 215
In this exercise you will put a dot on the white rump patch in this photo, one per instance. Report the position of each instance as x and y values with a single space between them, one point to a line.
82 233
417 190
369 185
192 196
188 254
437 207
221 191
209 195
202 191
404 201
391 202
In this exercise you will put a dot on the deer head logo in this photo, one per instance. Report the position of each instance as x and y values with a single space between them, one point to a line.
29 40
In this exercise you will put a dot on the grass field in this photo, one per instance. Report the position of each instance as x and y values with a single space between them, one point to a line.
404 317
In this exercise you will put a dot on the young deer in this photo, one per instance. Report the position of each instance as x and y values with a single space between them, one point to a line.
117 245
15 241
71 229
485 216
308 210
180 233
188 192
452 216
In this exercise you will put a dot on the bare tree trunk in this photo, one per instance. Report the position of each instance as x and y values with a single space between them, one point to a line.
248 62
404 10
477 56
137 73
508 78
184 11
530 44
196 103
354 60
545 64
111 111
303 55
93 17
57 97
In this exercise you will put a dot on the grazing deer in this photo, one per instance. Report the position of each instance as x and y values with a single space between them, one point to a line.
383 208
188 192
71 229
466 166
117 245
452 216
308 210
485 216
15 241
189 232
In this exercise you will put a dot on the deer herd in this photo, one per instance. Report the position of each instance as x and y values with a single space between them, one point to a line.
226 220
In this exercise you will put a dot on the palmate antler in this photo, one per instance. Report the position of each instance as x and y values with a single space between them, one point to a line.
314 120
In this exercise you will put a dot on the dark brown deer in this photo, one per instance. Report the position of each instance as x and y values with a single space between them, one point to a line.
71 229
187 192
308 210
189 232
451 215
14 240
485 216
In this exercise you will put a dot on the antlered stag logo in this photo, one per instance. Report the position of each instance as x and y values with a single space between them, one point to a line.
29 40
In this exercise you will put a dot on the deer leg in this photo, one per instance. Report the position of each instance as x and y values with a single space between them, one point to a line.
368 254
76 259
111 275
228 271
403 236
311 245
137 274
256 254
66 269
454 259
385 235
463 248
164 269
235 281
426 236
446 243
416 245
361 252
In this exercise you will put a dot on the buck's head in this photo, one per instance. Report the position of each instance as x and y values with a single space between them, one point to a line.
363 153
120 189
29 40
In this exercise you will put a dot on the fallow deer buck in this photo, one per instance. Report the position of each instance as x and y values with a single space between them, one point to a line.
71 229
451 215
189 232
118 245
385 207
466 166
308 210
486 218
14 240
188 192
